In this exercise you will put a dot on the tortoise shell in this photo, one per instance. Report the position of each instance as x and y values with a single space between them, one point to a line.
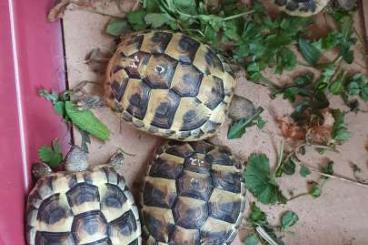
193 193
169 84
302 8
88 207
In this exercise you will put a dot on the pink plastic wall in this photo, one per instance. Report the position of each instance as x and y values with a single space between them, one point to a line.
31 57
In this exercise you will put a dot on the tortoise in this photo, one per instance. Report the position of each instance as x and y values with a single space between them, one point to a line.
81 206
303 8
193 193
169 84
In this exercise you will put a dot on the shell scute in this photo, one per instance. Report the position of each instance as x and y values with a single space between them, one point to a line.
156 42
160 192
187 80
182 48
161 108
82 197
195 185
54 210
90 226
160 71
190 213
212 92
169 167
46 238
137 99
185 236
159 222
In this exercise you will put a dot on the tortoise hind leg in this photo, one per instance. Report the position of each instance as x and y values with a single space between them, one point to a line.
240 108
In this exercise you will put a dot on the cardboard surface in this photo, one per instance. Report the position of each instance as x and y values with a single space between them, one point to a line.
339 216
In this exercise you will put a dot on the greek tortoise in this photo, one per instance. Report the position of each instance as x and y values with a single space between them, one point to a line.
302 8
81 206
193 193
169 84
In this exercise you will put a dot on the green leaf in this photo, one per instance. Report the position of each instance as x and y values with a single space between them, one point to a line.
340 132
52 156
117 26
59 108
304 79
151 5
330 40
238 128
277 41
251 239
260 122
310 53
257 216
288 219
353 88
304 171
286 60
328 169
186 6
288 167
86 121
364 92
231 31
215 22
136 19
337 87
157 20
315 190
358 85
259 181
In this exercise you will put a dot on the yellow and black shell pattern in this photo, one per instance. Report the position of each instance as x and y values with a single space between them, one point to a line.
303 8
193 193
88 207
169 84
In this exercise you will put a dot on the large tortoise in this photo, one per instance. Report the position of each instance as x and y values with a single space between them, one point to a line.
169 84
82 206
193 193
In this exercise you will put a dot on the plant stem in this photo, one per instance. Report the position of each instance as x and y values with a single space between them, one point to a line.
345 179
101 13
280 158
262 233
332 176
297 196
238 15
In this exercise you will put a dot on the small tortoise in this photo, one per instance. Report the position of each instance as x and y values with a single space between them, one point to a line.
81 206
193 193
302 8
169 84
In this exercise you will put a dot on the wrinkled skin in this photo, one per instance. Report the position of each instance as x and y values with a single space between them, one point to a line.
241 107
76 159
40 169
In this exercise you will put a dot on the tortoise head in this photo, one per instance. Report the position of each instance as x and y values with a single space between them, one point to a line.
76 159
40 169
117 159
